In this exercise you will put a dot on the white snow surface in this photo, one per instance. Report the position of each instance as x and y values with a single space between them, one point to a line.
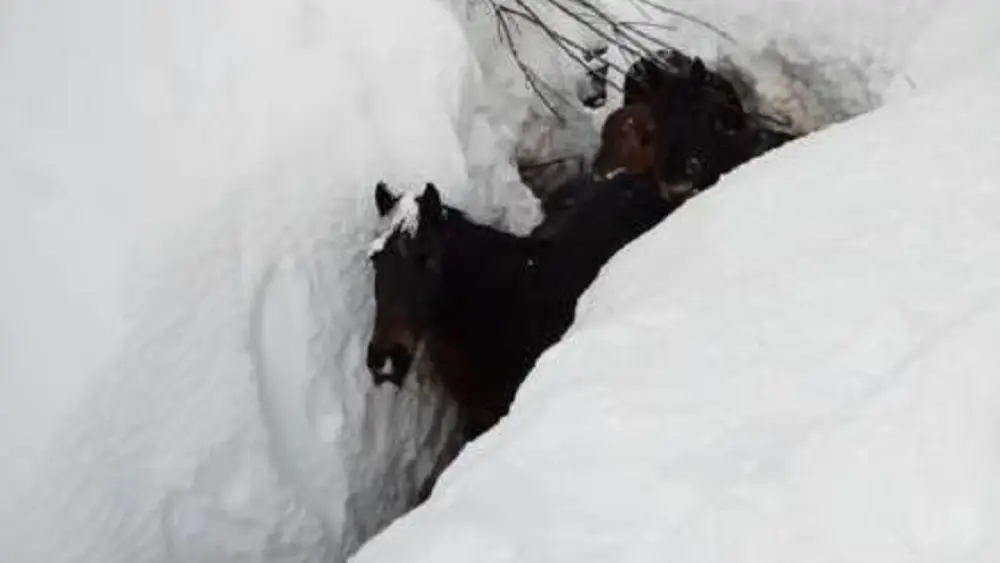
798 365
185 207
186 201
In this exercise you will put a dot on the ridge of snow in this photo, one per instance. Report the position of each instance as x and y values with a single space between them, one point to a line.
795 366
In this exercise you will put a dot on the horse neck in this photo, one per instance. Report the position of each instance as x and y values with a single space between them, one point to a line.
494 305
480 258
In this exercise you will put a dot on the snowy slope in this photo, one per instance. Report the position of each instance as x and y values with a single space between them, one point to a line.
799 365
185 202
818 62
184 205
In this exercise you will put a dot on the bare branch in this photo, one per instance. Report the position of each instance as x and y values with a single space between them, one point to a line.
633 24
635 49
561 40
630 37
529 74
688 17
639 8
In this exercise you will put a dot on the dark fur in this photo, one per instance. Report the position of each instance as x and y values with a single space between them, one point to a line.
488 303
490 312
588 221
702 128
628 143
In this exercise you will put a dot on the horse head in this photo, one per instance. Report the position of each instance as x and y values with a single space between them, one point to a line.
700 119
627 143
406 258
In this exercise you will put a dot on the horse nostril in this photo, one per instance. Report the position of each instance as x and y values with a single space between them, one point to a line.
400 358
375 358
388 364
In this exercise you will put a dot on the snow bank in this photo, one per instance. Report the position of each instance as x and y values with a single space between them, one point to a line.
530 131
796 366
810 63
185 193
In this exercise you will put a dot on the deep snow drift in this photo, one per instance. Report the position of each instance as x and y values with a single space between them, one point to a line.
799 365
185 207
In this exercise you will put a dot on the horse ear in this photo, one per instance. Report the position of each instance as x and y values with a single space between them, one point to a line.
384 199
430 205
699 74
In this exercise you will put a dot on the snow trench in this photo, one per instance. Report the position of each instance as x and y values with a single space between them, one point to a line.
185 208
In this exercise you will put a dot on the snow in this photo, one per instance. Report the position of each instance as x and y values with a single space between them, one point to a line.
186 201
798 365
405 215
186 197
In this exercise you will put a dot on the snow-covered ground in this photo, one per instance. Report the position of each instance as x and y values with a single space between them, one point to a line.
185 203
799 365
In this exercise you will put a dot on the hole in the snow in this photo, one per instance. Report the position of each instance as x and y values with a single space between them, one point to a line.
474 307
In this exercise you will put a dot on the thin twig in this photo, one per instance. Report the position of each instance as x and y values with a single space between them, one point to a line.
561 40
617 27
636 49
629 37
688 17
664 26
638 8
528 73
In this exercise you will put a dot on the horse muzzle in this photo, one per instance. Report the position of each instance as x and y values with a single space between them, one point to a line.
388 364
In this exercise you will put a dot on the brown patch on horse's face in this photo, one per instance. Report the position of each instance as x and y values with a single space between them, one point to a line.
627 143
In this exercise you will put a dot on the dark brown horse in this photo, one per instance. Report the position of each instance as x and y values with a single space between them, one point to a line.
486 303
631 143
702 129
477 298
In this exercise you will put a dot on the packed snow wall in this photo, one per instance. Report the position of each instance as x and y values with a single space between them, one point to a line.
185 202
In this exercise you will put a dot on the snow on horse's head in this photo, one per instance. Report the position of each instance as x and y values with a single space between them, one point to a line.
405 255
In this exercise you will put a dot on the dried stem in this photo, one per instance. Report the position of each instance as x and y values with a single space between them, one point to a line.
687 17
529 74
630 37
562 41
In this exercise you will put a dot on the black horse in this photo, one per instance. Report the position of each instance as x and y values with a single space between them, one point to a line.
703 130
477 298
486 303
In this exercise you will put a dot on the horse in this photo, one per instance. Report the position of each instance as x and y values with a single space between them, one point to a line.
484 304
592 218
629 148
703 130
475 297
